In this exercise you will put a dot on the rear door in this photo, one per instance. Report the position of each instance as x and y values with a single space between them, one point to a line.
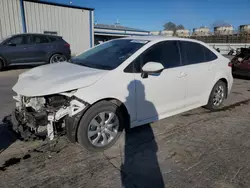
38 48
199 63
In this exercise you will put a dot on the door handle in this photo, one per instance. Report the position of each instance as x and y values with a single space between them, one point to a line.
182 74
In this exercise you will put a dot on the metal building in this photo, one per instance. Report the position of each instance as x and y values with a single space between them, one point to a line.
182 32
202 31
223 30
73 23
104 32
245 28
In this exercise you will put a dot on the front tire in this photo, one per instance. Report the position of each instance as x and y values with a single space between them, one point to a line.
100 127
1 65
217 96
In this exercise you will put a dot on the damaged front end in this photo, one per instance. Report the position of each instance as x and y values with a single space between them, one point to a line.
40 117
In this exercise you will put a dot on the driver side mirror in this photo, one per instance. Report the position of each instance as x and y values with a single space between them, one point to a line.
150 68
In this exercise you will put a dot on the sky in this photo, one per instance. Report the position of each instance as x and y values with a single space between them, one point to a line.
153 14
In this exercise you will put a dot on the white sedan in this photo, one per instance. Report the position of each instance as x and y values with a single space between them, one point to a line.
119 84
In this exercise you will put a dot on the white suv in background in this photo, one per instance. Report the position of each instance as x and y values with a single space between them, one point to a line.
120 84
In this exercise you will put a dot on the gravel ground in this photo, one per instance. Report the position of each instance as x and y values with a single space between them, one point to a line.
194 149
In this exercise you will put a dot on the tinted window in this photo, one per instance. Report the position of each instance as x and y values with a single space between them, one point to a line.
166 53
17 40
193 53
109 55
52 39
38 39
209 55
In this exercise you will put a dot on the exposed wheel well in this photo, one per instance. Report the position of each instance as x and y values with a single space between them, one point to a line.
2 61
122 107
225 81
113 100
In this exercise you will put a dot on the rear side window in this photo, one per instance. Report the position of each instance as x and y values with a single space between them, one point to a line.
52 39
38 39
209 55
193 53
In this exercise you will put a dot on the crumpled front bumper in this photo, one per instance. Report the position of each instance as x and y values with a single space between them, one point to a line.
33 123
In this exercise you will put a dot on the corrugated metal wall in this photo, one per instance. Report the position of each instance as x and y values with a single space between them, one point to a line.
10 18
73 24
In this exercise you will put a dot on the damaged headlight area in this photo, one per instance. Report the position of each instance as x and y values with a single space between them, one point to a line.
44 116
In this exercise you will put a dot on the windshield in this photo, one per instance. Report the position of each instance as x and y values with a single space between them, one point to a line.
5 38
109 55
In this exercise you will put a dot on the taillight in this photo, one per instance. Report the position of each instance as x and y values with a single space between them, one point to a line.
67 45
230 64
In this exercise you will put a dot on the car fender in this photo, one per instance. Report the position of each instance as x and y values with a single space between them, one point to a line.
48 56
218 76
108 88
5 62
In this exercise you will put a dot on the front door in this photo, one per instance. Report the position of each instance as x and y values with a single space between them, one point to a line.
161 94
15 49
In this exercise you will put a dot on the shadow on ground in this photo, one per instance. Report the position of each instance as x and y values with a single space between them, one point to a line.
242 77
19 67
140 167
7 136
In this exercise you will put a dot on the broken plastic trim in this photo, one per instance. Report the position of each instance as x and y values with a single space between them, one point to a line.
74 107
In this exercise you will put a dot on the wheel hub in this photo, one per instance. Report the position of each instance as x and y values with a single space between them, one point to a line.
103 128
218 95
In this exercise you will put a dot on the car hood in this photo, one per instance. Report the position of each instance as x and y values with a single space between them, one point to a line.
56 78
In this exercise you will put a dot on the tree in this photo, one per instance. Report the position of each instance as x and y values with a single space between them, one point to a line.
219 23
170 26
180 26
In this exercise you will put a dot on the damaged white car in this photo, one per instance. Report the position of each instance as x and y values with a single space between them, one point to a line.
119 84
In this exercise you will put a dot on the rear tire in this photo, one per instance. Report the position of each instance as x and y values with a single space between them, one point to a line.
57 58
105 131
217 96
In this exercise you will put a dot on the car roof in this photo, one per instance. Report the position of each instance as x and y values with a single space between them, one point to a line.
159 38
47 35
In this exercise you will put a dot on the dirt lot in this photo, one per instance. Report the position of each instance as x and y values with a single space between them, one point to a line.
195 149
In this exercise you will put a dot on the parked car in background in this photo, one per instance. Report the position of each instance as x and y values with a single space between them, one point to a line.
241 63
24 49
120 84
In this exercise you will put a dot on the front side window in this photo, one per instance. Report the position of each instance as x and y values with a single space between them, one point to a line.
19 40
166 53
109 55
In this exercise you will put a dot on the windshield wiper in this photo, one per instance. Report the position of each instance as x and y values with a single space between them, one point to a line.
91 65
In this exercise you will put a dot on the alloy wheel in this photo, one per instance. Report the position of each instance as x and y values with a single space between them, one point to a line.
57 58
218 96
103 128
